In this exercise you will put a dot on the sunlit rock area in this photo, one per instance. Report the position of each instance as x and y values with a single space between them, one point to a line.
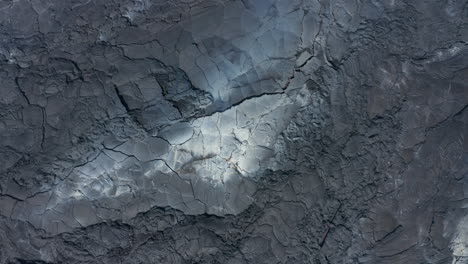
234 131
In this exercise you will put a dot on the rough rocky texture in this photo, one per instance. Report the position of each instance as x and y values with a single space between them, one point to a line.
241 131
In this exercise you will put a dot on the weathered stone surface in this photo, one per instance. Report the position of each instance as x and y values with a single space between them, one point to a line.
240 131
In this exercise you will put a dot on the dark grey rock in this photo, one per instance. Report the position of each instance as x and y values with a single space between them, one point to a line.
240 131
